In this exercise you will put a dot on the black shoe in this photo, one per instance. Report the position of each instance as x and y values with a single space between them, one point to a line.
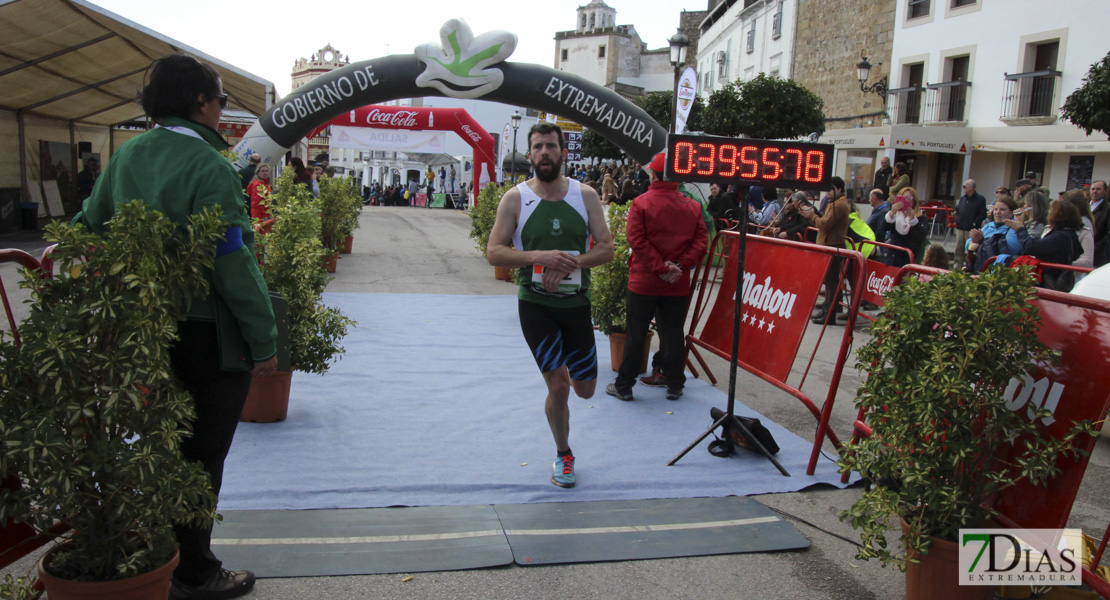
224 585
674 393
612 390
819 319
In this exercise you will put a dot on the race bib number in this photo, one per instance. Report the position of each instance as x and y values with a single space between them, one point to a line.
569 285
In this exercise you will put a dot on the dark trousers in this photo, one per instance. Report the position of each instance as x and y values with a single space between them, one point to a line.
218 396
833 277
669 313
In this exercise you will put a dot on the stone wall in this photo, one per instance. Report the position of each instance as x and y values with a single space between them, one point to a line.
831 34
690 22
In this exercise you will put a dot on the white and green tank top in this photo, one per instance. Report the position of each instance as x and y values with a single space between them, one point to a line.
553 225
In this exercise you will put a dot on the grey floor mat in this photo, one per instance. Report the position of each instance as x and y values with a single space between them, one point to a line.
304 543
575 532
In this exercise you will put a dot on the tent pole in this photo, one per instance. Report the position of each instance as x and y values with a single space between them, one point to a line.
24 189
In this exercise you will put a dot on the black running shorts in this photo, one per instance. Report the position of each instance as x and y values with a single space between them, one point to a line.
560 336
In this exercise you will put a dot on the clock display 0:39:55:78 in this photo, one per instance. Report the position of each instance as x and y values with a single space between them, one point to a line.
709 159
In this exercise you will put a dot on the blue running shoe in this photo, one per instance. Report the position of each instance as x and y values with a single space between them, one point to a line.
562 472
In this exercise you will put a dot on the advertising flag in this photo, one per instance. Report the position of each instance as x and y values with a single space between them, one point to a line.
687 91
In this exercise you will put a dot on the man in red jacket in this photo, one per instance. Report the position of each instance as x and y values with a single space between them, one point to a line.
668 237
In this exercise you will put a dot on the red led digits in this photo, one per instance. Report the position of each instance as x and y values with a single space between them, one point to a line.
750 162
689 166
767 162
797 163
817 167
715 159
730 160
710 161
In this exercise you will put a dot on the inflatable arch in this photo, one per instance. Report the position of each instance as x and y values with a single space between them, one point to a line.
462 66
422 118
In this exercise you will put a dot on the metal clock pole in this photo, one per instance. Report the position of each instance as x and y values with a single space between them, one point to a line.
730 416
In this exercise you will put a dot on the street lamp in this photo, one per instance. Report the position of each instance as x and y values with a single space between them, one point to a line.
516 123
679 45
863 72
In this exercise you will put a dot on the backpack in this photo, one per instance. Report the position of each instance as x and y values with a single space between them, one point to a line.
734 436
990 248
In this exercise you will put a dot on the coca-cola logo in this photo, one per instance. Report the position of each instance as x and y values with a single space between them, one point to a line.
400 118
879 285
474 136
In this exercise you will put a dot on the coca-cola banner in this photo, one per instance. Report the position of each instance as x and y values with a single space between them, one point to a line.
389 140
461 65
878 281
780 286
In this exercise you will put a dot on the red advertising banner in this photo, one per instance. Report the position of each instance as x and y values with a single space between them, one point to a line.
780 288
878 281
1074 389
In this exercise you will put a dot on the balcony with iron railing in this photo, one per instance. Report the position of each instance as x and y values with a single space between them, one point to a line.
946 103
1029 98
904 105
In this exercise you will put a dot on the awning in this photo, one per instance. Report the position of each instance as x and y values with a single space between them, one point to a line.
1084 147
948 140
74 61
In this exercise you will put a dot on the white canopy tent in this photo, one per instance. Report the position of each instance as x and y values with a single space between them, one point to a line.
70 71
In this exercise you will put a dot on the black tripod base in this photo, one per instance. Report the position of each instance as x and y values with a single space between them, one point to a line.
733 421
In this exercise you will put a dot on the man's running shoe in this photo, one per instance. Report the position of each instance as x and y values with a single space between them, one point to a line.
674 393
562 472
656 379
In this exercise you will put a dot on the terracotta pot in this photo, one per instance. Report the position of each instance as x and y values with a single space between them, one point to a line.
268 400
331 262
616 350
348 245
154 585
937 575
503 273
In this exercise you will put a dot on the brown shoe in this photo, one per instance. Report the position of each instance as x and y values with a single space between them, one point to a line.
224 585
656 379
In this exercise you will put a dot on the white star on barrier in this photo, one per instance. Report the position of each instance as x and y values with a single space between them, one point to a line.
770 327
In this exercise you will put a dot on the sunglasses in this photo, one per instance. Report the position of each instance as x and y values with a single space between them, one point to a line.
222 99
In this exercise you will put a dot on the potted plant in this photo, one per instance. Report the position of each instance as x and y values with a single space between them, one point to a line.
482 217
293 267
609 287
353 209
91 417
340 206
944 443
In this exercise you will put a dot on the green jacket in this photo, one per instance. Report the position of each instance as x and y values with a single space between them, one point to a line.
177 170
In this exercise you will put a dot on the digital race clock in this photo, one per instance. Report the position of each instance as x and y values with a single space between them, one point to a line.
694 158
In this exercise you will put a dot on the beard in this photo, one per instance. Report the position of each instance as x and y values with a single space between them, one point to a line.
548 170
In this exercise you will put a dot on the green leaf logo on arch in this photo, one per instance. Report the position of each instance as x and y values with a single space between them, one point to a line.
461 66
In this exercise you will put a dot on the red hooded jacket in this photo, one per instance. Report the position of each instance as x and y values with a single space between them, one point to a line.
664 225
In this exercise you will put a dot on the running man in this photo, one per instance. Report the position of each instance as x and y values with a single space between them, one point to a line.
544 227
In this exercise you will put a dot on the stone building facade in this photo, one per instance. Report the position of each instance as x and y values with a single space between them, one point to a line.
614 56
323 61
830 38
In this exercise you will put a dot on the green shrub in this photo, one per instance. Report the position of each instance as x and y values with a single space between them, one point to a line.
91 417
